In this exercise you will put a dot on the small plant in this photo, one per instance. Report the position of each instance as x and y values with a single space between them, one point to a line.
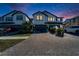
60 32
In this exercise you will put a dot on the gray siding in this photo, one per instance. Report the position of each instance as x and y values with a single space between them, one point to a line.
14 20
19 22
39 22
52 16
45 19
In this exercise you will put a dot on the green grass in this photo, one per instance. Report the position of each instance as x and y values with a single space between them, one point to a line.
4 44
21 35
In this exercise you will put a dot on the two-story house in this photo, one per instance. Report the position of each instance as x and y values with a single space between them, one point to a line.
13 19
44 19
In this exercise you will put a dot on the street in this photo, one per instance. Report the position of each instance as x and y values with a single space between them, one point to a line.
45 44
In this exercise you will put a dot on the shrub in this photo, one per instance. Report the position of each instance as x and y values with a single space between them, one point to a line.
27 27
60 32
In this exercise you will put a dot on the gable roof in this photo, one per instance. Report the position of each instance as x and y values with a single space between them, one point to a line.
45 13
12 12
75 17
70 19
21 13
48 13
15 12
39 12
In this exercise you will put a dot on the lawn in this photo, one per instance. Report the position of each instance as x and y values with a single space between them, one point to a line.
22 35
4 44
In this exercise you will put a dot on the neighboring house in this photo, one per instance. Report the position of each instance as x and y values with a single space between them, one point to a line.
42 20
13 19
72 21
67 22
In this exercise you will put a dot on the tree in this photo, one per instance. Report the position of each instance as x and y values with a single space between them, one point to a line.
27 27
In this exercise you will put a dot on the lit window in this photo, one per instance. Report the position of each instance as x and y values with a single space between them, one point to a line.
50 19
39 17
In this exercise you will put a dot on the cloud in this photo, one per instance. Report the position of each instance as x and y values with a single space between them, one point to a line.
69 13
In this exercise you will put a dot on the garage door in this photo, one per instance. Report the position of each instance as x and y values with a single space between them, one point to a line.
40 28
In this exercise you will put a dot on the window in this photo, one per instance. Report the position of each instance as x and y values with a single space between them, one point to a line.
58 19
1 19
50 19
9 19
39 17
61 19
19 17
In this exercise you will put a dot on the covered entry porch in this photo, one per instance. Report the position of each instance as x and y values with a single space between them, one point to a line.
53 24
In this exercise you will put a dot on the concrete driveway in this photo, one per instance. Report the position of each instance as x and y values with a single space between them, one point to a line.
45 44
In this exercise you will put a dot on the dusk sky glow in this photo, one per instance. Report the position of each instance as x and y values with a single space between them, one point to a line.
59 9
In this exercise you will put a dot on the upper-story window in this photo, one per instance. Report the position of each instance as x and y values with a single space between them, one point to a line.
9 19
1 19
39 17
19 17
50 19
58 19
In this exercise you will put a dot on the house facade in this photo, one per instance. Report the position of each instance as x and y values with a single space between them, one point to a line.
72 21
42 20
45 19
13 19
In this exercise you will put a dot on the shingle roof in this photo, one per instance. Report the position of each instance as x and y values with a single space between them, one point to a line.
39 12
20 12
14 12
45 13
49 13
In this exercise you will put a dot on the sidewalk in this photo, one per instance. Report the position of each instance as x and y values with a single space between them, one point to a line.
13 37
